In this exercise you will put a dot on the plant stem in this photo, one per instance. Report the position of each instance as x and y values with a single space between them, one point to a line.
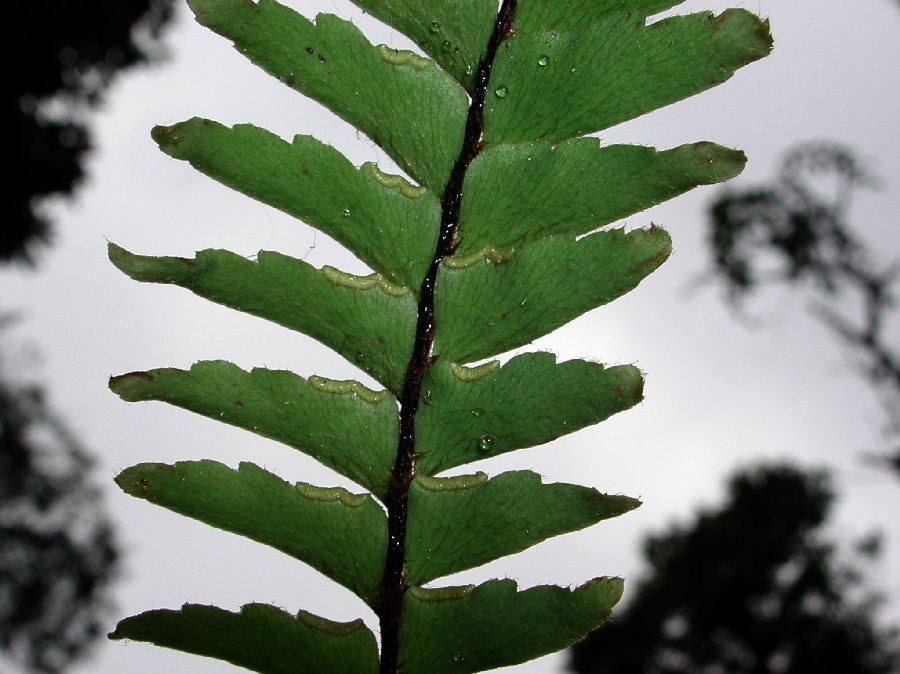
393 583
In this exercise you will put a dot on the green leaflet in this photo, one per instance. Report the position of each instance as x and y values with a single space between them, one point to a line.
260 638
372 213
365 319
453 32
471 629
612 69
458 523
519 193
469 414
354 434
491 303
378 90
343 535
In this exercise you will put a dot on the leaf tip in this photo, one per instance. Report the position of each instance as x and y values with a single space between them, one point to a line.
136 480
124 260
664 241
748 30
117 255
164 135
628 383
608 590
170 138
625 504
131 386
716 163
731 164
132 484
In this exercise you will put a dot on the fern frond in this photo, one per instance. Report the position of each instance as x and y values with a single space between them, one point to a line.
492 239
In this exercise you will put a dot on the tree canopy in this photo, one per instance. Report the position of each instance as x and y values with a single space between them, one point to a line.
58 554
752 587
71 58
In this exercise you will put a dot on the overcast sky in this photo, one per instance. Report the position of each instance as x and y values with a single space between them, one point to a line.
718 395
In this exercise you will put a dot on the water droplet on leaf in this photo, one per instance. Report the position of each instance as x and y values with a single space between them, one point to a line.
434 28
457 657
543 60
501 92
427 397
446 45
346 212
477 412
485 442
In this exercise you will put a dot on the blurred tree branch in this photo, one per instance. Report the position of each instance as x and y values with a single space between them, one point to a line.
801 221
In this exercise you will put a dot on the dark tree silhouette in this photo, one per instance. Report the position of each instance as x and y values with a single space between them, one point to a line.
750 588
801 222
67 51
57 550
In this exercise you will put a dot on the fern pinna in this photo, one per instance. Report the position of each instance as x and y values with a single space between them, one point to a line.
498 236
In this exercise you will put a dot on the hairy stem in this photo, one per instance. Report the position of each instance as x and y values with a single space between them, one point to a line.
393 584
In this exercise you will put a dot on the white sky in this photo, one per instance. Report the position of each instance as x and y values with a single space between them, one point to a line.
718 395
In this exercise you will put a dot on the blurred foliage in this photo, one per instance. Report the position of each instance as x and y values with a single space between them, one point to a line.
799 226
66 54
753 587
57 550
